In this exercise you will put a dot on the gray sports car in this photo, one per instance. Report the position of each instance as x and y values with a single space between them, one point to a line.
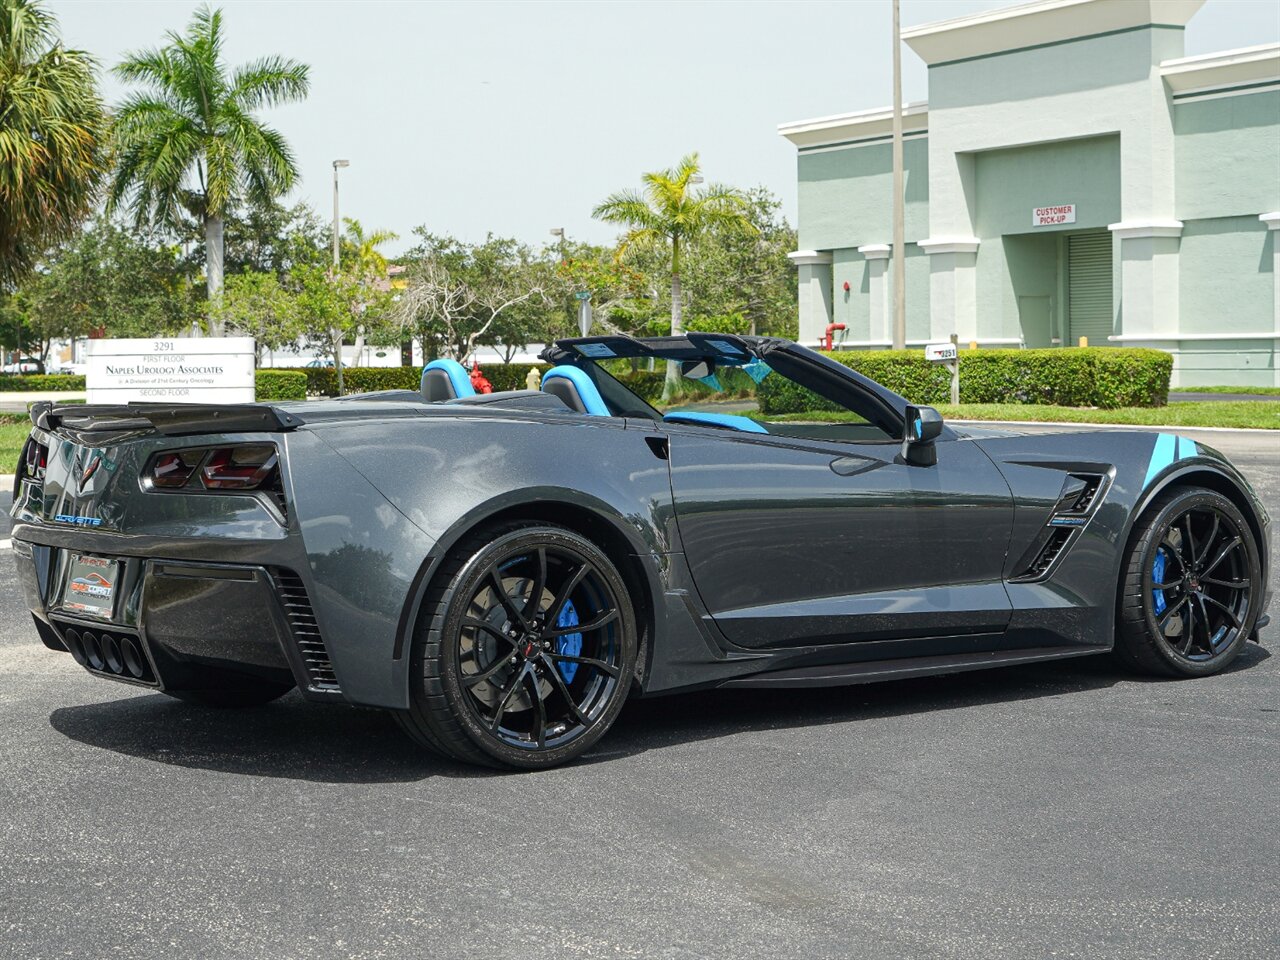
502 571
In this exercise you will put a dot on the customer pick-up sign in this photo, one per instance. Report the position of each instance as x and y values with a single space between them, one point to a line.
178 370
1052 216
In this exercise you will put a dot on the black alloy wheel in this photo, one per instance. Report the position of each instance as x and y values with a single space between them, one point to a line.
528 650
1192 585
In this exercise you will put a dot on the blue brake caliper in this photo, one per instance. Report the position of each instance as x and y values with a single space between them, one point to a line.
570 644
1157 576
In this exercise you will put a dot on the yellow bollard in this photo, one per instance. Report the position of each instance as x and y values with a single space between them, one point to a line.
973 344
533 380
1084 341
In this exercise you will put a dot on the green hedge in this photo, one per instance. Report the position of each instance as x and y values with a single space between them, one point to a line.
279 384
1105 377
23 382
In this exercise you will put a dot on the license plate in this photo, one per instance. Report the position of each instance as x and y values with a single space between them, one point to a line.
91 585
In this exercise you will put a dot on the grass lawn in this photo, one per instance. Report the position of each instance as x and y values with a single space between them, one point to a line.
1238 413
1256 391
12 436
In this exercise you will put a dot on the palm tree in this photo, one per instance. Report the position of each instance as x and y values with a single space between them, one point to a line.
53 129
366 263
189 141
360 250
668 210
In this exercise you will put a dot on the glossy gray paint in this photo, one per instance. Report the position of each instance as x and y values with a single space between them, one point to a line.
775 558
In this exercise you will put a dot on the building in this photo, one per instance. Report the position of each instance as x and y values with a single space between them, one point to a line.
1072 175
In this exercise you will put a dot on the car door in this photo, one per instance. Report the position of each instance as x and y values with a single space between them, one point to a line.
796 540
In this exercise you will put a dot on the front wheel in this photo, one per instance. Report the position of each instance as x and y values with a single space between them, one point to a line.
525 650
1191 587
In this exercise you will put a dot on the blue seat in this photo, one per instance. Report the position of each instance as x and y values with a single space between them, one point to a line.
445 380
726 421
575 388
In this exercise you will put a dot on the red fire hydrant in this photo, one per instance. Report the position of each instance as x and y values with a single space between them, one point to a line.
479 381
828 341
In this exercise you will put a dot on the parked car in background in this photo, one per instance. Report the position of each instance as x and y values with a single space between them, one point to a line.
24 365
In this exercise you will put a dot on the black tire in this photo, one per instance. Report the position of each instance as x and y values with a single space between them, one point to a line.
244 694
495 677
1195 620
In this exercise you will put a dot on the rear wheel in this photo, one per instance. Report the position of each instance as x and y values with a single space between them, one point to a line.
525 650
1191 586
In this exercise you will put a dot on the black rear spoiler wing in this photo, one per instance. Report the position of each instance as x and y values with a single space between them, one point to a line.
171 419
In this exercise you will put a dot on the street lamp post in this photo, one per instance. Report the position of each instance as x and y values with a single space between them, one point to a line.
337 336
899 253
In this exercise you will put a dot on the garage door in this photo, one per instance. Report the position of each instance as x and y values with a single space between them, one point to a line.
1089 288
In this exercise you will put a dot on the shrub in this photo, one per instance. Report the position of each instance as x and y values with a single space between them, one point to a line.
323 381
22 382
1105 377
278 384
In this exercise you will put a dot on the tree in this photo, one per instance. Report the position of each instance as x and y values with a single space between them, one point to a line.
360 255
53 129
256 304
190 142
328 308
671 212
459 295
112 278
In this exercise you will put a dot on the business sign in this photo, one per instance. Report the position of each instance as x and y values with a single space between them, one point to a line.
940 352
1052 216
181 370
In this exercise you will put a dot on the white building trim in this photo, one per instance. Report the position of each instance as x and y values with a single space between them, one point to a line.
1033 24
1272 220
806 258
1139 229
881 251
1148 338
860 125
1245 66
940 245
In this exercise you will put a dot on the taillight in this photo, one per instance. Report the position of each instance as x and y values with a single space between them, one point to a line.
238 468
173 470
32 463
248 467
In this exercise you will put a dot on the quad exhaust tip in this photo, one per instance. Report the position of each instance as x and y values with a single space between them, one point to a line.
92 652
111 654
72 640
132 658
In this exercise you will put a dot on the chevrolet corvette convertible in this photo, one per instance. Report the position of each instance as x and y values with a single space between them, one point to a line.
502 571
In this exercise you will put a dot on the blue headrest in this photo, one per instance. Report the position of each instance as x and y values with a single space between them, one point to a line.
451 370
568 382
728 420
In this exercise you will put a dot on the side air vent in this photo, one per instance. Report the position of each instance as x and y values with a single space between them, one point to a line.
1085 500
1048 553
306 632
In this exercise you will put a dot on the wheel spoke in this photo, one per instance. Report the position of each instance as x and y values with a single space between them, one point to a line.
539 584
1222 555
504 598
1189 544
1231 614
474 679
1208 543
1167 586
504 699
566 591
601 620
1202 618
540 707
488 628
1230 584
1171 552
556 679
1168 614
608 668
1188 629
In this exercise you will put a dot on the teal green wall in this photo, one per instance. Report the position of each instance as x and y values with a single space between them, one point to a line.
853 308
1053 70
1009 184
1227 159
845 195
917 263
1225 280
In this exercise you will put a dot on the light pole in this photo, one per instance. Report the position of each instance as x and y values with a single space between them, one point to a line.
337 165
899 254
337 336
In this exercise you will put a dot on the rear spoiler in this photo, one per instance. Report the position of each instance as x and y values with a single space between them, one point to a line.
169 419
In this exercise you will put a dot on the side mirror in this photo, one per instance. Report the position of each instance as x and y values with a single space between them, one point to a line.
697 369
921 428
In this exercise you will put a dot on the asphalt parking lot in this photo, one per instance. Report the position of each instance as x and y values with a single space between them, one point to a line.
1046 811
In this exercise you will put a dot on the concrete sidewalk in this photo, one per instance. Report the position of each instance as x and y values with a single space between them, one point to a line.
20 402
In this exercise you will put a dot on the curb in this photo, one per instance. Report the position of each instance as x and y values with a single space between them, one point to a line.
1119 426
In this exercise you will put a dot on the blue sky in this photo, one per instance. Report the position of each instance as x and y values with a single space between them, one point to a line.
518 117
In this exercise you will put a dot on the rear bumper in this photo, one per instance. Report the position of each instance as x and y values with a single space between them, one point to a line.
181 624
